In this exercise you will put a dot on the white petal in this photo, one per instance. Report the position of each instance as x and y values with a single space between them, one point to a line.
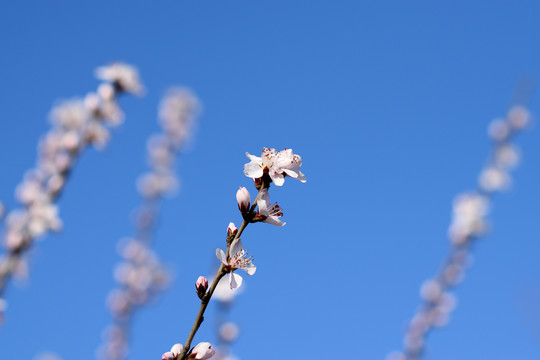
236 247
221 256
274 220
250 269
177 349
278 179
291 173
235 280
253 170
262 202
301 177
254 158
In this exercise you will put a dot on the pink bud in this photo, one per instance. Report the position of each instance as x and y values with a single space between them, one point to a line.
244 199
231 230
202 351
201 285
168 356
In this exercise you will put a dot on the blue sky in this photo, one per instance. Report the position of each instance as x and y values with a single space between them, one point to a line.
388 104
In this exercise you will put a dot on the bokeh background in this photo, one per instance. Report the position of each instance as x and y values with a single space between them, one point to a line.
388 104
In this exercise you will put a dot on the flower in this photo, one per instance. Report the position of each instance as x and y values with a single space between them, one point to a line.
276 165
238 260
244 200
171 355
268 213
202 351
125 77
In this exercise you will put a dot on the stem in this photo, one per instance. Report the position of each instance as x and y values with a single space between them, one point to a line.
219 275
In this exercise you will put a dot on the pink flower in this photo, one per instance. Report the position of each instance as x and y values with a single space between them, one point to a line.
238 260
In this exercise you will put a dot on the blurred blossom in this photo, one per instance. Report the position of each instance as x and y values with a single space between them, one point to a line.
469 221
76 124
47 356
507 156
69 114
494 179
125 77
518 117
229 331
141 274
430 290
177 113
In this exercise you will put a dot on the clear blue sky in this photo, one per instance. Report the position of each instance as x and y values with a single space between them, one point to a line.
388 104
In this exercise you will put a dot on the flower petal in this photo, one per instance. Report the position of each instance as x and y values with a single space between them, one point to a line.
235 280
253 170
301 177
221 256
254 158
236 247
277 179
274 220
250 269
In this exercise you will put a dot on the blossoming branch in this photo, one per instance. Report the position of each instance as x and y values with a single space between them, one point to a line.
468 224
141 274
271 167
77 124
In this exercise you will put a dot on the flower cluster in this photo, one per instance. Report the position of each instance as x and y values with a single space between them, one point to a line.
141 274
468 223
271 167
76 124
201 351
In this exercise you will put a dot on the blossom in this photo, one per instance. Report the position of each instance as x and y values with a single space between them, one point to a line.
123 76
244 200
276 164
202 351
268 213
239 260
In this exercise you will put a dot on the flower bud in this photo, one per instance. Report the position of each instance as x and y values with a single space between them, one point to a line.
202 351
176 349
231 230
171 355
168 356
201 285
244 199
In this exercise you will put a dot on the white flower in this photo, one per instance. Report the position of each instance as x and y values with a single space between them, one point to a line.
268 213
287 164
124 76
276 165
244 200
238 260
202 351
